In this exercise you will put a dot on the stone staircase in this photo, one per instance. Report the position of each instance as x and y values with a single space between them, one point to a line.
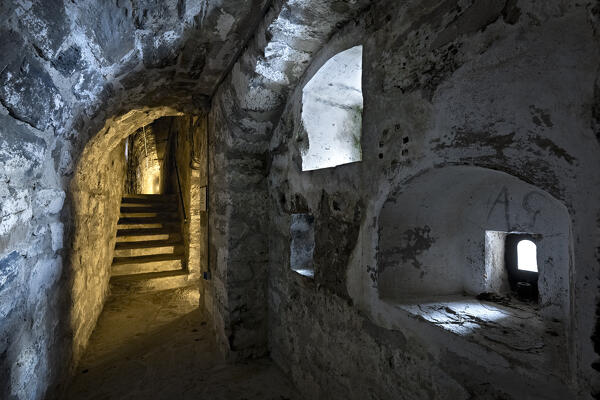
149 252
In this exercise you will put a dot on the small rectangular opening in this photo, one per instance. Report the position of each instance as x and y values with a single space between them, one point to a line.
522 266
511 264
303 244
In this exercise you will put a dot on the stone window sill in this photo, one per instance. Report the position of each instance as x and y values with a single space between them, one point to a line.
309 273
513 329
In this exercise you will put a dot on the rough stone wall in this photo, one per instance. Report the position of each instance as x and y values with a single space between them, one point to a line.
244 110
96 198
504 85
32 310
131 175
193 176
70 74
181 157
145 159
238 246
43 302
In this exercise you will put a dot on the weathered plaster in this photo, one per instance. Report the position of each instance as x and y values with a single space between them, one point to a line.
488 85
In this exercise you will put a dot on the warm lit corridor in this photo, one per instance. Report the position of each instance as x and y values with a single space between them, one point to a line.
160 345
153 339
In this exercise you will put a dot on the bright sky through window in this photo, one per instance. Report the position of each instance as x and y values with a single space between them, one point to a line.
527 256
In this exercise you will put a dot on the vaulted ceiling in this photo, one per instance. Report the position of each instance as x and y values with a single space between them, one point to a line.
68 61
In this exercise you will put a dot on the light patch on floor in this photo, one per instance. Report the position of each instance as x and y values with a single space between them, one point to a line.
160 346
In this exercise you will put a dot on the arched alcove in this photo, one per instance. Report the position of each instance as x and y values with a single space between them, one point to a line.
332 105
443 233
95 195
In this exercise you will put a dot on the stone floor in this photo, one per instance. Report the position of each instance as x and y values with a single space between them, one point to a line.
160 346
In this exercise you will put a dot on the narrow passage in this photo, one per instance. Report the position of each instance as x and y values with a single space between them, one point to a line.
159 345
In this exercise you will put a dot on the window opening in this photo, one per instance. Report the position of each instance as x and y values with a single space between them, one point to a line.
303 244
332 106
521 265
527 256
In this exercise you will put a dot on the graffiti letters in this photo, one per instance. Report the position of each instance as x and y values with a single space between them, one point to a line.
532 207
502 201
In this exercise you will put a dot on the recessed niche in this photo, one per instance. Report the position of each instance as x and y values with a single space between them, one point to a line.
302 244
457 249
522 265
332 106
527 256
512 264
449 232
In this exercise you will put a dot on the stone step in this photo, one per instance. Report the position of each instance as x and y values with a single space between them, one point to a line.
149 223
143 213
140 235
146 264
149 196
166 205
150 207
147 243
148 248
156 200
149 282
147 220
149 253
141 226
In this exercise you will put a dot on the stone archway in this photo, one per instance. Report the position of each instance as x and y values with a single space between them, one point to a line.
95 197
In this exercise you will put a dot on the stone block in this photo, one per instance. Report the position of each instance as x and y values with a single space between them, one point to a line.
57 230
160 51
29 94
9 268
68 61
113 29
15 210
89 85
21 152
44 274
48 201
45 24
11 47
